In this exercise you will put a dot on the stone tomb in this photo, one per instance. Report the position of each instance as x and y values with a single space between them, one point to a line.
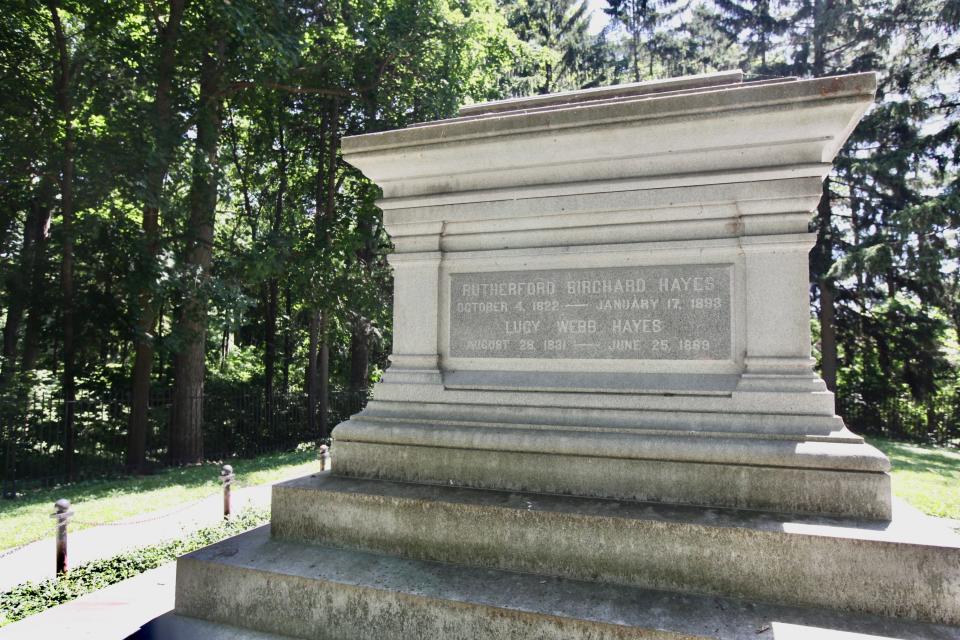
601 418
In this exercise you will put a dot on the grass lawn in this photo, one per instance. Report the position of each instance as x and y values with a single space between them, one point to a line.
27 518
926 477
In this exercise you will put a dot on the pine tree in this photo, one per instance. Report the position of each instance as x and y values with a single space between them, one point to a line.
754 25
641 19
562 54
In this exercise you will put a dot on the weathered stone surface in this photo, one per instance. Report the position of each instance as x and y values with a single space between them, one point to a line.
909 567
798 490
325 593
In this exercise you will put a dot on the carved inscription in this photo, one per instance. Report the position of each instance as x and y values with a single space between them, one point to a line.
679 312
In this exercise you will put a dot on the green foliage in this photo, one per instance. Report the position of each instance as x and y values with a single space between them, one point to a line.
754 24
647 40
387 64
30 598
559 54
888 242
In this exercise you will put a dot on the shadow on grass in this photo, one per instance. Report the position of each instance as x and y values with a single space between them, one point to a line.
191 476
905 456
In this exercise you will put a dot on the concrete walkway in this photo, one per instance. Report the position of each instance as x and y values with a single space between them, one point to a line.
113 613
36 561
139 608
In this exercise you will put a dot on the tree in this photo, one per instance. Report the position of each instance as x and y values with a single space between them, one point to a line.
64 74
186 428
640 19
753 23
562 54
164 140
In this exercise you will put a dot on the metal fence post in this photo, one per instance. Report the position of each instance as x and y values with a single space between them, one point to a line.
324 458
62 513
226 478
10 468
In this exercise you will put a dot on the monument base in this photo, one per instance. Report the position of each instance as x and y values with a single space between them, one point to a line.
705 456
367 559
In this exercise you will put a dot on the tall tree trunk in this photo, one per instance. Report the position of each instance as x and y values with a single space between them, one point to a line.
273 286
287 342
21 280
158 166
360 331
318 376
359 354
858 338
32 338
331 191
313 326
164 365
828 336
186 434
319 358
36 298
270 346
324 375
313 374
62 81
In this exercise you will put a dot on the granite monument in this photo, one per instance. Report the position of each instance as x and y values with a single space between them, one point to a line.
601 418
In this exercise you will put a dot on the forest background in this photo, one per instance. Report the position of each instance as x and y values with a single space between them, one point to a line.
176 221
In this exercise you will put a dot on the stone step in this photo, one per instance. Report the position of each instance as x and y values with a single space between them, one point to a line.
795 476
908 568
171 626
305 591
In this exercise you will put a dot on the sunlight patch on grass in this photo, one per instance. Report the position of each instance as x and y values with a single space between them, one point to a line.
927 477
27 518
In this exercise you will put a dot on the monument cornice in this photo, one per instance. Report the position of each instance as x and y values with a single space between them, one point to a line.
703 101
737 133
651 185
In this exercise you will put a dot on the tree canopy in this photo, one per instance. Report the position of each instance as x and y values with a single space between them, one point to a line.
174 210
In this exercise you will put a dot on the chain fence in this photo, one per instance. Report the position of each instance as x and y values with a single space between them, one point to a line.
154 518
13 550
65 517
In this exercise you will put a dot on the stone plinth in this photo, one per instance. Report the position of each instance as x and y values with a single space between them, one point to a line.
601 418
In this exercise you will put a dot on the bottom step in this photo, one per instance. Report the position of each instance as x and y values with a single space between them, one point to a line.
306 591
171 626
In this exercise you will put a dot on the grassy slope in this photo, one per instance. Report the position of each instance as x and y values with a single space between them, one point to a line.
27 518
926 477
